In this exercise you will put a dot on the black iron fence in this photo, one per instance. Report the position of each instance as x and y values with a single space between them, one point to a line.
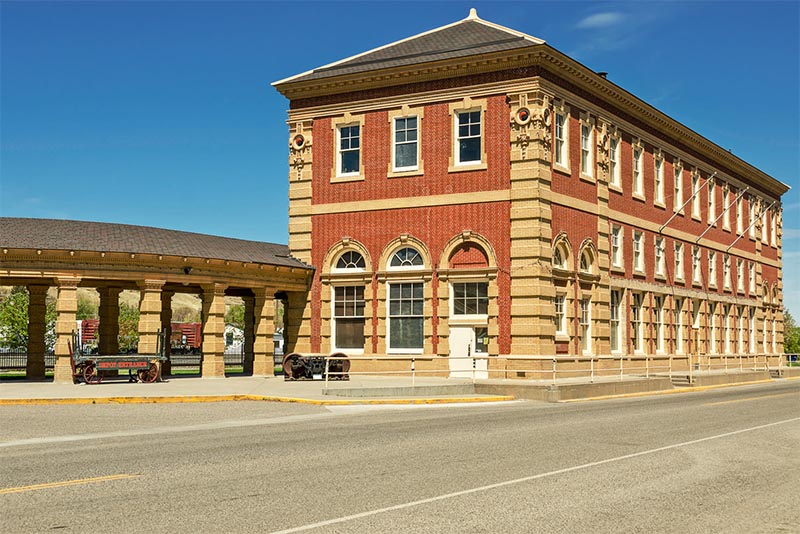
18 359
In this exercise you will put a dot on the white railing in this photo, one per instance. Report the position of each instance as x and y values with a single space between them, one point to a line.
595 366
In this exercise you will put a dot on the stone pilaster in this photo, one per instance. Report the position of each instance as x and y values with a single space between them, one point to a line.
532 292
109 320
263 329
149 315
300 167
249 334
297 322
166 326
37 307
213 364
601 290
66 309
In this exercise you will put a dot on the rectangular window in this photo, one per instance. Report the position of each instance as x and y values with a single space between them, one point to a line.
559 317
586 150
741 329
696 258
637 326
712 327
659 180
561 139
764 227
739 216
740 276
471 298
696 196
751 275
614 166
406 148
712 202
726 207
726 328
586 324
764 345
660 263
616 246
348 312
658 319
678 322
678 201
679 274
349 149
712 268
773 230
752 320
406 319
751 220
469 137
726 272
638 251
638 179
616 325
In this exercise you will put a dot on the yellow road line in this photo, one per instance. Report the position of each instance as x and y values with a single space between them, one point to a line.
751 398
20 489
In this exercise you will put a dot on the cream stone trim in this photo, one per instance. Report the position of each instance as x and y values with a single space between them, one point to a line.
466 105
467 237
398 243
650 226
348 119
455 199
340 247
403 112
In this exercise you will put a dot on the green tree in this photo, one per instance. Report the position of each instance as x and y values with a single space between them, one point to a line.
791 334
234 315
86 309
128 327
14 319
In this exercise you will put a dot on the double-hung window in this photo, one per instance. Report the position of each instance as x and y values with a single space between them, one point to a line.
586 324
726 207
616 246
696 195
468 128
712 202
349 150
406 320
751 273
739 216
712 268
678 200
406 143
696 273
616 325
560 314
752 217
638 252
637 326
348 314
678 322
659 256
740 276
679 261
659 179
726 272
614 164
561 147
638 179
658 319
586 149
764 227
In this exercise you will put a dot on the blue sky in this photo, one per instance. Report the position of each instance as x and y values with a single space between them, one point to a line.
161 113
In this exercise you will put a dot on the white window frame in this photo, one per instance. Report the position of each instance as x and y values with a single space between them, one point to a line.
678 321
726 272
637 322
712 268
678 186
617 241
615 164
334 318
638 251
696 195
389 316
396 143
340 151
697 258
457 137
637 168
726 207
658 165
561 142
740 275
679 266
560 314
712 328
585 323
726 332
658 320
751 219
751 277
773 230
587 147
764 222
740 215
712 201
752 330
660 259
615 321
740 329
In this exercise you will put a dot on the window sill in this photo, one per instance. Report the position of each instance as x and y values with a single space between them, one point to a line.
616 188
410 352
588 178
640 197
660 277
465 167
659 204
562 338
405 174
678 211
560 168
696 218
347 178
618 269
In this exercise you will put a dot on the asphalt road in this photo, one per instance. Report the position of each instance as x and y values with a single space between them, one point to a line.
726 460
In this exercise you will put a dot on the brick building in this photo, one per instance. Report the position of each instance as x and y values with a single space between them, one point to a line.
472 190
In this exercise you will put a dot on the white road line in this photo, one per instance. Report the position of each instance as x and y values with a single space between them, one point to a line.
488 487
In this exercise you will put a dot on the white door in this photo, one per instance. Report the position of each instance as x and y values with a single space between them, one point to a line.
462 350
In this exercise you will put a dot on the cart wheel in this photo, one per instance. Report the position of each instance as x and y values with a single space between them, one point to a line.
90 374
150 374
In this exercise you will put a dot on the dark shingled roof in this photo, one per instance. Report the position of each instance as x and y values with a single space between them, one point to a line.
53 234
468 37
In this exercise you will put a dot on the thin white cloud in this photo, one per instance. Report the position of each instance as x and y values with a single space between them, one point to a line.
600 20
791 233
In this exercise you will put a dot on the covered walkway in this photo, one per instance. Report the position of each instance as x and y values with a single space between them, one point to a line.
44 253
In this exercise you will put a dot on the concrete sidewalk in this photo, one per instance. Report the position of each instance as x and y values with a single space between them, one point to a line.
384 390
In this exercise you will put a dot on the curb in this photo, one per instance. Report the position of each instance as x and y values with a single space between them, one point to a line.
690 389
228 398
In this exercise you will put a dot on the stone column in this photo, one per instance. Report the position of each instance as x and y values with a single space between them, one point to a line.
166 326
213 362
149 315
66 309
249 334
36 330
109 320
297 323
263 328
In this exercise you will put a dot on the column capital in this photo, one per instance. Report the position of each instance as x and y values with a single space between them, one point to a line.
67 281
264 292
36 289
215 288
151 285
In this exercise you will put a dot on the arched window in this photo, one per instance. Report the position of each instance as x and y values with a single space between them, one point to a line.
351 260
560 256
586 262
406 258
